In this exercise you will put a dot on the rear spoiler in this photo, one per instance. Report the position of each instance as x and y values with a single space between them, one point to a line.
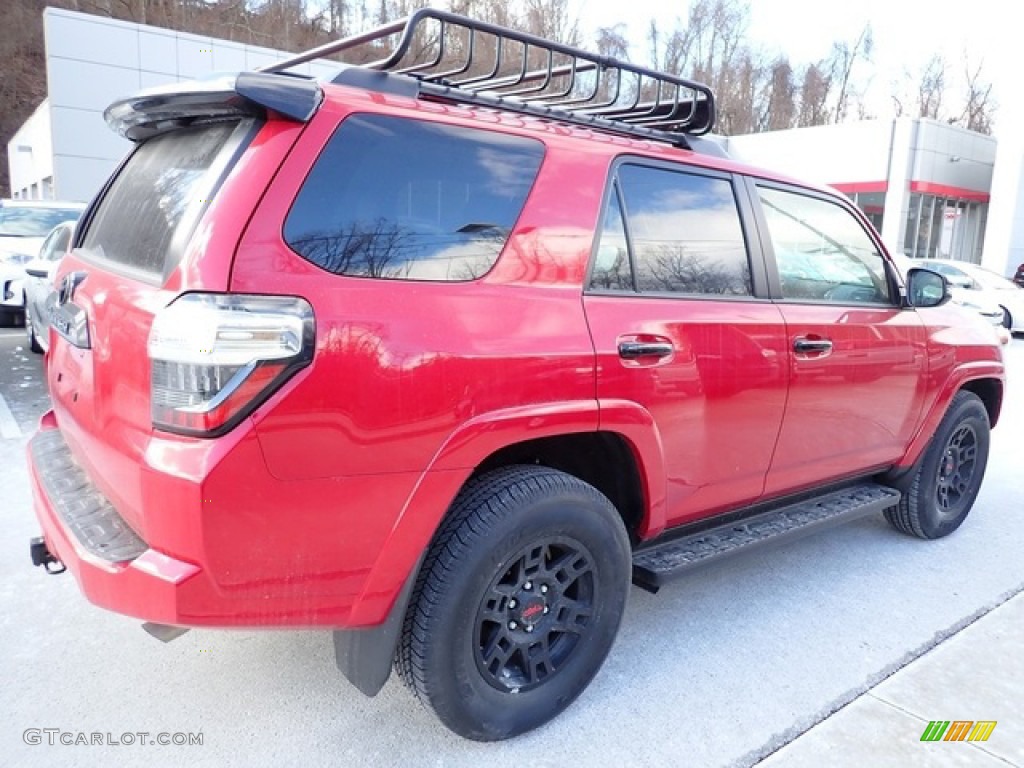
177 105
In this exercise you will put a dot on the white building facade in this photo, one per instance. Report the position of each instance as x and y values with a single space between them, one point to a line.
925 185
30 157
65 151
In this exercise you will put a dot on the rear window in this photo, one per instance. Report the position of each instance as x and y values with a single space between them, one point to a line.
402 199
146 216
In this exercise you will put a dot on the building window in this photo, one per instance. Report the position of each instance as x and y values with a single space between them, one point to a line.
944 228
873 206
913 217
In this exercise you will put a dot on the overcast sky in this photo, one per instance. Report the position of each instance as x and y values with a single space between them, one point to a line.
906 33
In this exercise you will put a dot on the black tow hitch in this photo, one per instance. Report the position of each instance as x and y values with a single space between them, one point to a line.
44 557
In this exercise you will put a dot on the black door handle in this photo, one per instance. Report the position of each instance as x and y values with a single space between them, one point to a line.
630 350
803 344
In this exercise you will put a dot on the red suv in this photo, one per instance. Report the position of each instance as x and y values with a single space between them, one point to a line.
442 355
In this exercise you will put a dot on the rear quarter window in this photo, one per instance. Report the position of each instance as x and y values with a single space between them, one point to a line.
396 198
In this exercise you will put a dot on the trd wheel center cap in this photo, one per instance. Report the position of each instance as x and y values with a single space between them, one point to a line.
948 466
530 610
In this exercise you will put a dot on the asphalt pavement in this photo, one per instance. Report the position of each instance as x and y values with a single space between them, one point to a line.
724 668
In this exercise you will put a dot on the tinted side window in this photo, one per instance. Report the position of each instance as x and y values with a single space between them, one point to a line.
685 232
822 251
611 262
403 199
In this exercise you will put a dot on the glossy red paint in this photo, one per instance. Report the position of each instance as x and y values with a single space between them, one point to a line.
316 508
717 401
960 352
855 408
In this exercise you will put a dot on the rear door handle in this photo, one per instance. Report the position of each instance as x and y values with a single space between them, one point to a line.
804 345
631 350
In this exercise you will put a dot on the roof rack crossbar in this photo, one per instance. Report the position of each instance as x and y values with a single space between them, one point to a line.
499 86
475 62
545 80
499 52
465 66
438 58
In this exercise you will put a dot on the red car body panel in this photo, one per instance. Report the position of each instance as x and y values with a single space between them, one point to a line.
718 418
856 408
315 509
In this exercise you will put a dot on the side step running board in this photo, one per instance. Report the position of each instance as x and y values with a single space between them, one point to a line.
654 566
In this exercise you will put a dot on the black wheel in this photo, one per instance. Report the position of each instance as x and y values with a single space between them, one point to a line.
30 331
941 489
1007 318
517 603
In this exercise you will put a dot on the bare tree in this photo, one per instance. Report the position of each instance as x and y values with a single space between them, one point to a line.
674 268
711 47
814 93
931 88
841 63
612 42
551 19
979 104
740 92
780 112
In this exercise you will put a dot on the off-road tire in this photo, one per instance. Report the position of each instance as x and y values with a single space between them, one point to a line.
518 602
941 488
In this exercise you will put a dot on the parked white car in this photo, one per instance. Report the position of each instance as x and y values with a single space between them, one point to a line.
39 288
975 301
24 224
980 284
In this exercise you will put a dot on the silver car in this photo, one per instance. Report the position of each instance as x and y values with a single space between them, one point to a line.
39 296
23 225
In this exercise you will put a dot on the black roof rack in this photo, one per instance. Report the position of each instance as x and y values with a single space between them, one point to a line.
455 58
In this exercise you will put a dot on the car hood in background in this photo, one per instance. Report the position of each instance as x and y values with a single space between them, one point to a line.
26 245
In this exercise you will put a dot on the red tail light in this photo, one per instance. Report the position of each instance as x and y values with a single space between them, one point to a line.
215 357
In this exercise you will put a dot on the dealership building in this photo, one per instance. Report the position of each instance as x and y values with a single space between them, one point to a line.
931 189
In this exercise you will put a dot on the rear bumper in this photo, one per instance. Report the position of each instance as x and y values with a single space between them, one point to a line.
113 566
266 553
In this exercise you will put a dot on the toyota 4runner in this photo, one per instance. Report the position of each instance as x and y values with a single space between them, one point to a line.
442 352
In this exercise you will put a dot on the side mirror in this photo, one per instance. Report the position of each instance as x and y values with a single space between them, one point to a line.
926 288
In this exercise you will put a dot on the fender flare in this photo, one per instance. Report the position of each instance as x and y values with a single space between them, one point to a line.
364 652
956 381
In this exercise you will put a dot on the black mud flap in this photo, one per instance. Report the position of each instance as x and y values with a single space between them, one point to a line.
365 656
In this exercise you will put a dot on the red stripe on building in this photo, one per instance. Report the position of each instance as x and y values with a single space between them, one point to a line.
864 187
944 190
